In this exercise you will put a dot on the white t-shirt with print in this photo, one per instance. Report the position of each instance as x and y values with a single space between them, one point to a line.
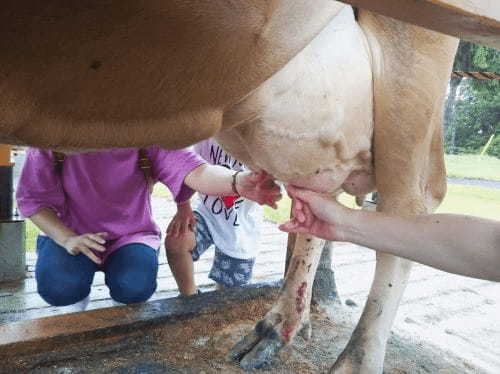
234 222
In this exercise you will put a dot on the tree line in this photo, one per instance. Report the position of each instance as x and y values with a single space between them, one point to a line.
472 111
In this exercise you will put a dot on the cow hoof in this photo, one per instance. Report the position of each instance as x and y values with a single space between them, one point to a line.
257 349
349 368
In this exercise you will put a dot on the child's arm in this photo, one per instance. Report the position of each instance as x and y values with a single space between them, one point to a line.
40 195
455 243
183 221
218 181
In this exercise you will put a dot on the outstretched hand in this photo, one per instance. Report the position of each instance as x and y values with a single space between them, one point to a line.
259 187
314 213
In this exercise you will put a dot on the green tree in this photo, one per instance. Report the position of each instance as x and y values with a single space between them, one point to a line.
472 112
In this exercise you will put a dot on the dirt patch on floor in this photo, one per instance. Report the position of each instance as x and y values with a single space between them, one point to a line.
200 345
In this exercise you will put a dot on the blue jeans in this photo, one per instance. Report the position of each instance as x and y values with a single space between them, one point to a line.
63 279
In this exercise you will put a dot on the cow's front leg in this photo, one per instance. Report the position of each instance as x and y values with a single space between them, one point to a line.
290 314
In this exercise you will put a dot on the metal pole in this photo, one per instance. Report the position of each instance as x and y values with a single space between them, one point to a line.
12 230
6 181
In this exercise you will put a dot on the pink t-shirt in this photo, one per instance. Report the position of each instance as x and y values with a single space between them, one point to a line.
104 191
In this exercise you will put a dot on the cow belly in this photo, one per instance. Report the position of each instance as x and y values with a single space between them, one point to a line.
311 124
122 73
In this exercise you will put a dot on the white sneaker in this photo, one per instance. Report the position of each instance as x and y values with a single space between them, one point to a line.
116 303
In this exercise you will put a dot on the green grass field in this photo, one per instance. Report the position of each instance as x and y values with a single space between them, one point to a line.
473 166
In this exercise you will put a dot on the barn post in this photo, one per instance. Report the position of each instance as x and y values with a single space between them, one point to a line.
12 229
324 287
6 177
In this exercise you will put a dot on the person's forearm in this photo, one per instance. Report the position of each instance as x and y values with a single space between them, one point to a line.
458 244
211 180
47 221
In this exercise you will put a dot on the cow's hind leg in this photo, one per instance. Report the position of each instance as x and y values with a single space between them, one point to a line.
411 70
366 348
289 315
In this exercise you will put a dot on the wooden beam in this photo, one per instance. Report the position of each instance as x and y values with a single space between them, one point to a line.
477 21
45 334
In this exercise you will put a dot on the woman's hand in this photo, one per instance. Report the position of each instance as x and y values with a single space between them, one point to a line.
183 221
85 243
315 214
259 187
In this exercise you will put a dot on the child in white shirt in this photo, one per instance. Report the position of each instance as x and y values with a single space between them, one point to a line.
230 223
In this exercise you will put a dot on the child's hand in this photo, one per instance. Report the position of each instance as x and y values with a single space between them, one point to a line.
85 243
314 214
183 221
259 187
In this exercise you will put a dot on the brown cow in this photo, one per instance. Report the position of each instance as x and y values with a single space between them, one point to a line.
303 92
